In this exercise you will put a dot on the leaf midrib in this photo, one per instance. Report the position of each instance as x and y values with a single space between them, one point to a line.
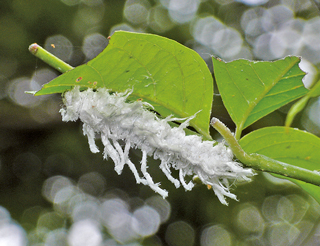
199 129
160 48
254 103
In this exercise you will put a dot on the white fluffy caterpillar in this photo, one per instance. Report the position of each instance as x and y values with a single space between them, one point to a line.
114 119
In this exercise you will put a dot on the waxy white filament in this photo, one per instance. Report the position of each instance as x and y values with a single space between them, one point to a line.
131 123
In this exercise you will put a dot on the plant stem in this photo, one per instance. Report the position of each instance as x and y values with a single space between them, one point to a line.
238 132
296 108
49 58
264 163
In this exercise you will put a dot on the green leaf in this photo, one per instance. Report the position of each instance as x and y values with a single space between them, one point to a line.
251 90
162 72
289 145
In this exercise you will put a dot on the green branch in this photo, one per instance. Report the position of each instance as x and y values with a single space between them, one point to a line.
49 58
264 163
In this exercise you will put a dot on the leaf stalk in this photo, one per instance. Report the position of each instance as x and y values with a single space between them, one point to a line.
49 58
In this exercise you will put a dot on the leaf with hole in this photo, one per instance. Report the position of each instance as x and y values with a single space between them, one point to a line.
251 90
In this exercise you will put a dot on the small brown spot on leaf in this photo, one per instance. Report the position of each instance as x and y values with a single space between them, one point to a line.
78 79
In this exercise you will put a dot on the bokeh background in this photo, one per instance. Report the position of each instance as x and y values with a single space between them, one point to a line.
54 191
